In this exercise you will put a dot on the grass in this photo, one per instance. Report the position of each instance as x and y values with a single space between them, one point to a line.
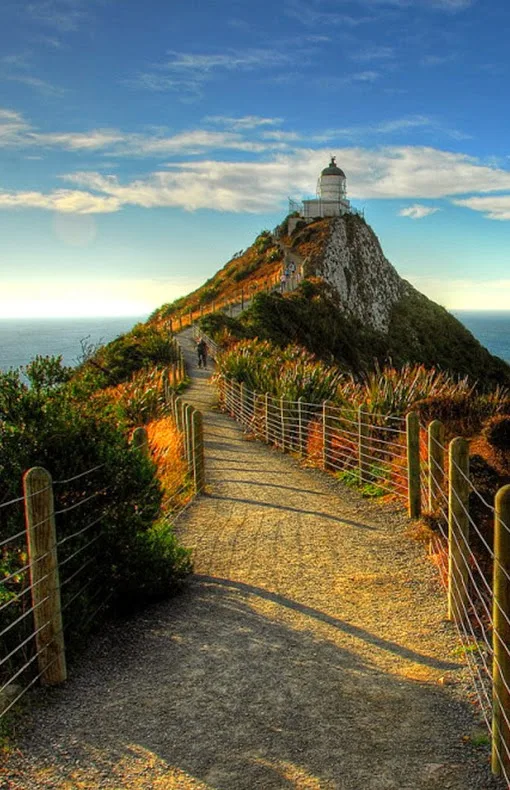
165 443
352 478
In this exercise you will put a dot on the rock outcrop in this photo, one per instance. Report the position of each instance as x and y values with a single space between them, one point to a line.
367 284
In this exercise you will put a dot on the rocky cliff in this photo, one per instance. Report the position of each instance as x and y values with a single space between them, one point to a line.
360 310
353 262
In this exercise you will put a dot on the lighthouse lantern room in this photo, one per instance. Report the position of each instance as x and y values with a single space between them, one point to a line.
331 200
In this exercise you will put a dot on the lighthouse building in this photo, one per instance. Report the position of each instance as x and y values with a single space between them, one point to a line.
331 200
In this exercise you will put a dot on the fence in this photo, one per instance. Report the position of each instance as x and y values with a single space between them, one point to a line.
240 299
52 585
42 600
385 454
237 303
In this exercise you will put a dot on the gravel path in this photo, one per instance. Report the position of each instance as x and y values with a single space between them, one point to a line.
310 651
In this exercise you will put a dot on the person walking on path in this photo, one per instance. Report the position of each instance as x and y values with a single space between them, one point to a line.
202 353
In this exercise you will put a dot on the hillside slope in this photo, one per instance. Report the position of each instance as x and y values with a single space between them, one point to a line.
351 307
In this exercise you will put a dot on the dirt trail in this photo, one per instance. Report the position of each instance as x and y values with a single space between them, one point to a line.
310 651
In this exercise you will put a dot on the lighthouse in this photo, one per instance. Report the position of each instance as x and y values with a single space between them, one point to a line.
331 200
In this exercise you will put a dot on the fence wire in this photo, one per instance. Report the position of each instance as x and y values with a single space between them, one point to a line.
371 450
79 509
328 436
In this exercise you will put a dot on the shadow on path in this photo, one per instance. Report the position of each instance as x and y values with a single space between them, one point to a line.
301 511
352 630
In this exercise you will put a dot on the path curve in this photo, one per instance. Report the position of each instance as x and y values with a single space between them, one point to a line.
309 651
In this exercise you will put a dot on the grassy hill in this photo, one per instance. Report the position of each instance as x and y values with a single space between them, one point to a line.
315 314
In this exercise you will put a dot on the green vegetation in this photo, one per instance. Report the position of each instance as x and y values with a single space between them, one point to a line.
422 331
145 346
289 373
351 478
114 546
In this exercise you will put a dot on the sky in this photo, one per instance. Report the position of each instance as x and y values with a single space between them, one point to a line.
142 144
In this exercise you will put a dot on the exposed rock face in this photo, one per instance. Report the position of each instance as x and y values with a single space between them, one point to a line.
354 264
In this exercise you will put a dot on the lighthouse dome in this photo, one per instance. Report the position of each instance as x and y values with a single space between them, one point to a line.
332 169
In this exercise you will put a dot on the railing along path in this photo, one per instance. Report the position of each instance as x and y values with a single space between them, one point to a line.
396 456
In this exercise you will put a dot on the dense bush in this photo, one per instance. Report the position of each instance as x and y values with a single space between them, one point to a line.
220 326
422 331
497 432
145 346
107 497
290 373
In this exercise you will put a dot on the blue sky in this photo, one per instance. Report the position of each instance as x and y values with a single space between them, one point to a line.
141 144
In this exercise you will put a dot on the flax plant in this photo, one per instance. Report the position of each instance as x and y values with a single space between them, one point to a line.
290 373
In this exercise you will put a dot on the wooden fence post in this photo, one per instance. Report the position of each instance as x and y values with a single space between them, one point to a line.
266 416
259 415
229 396
283 425
140 441
301 443
188 434
242 403
178 413
198 450
501 635
363 445
458 529
325 434
436 464
44 576
413 465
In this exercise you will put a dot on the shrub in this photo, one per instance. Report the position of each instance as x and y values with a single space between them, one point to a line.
290 373
144 346
107 498
497 432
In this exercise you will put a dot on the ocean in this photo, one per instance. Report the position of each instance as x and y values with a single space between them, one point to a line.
491 328
23 339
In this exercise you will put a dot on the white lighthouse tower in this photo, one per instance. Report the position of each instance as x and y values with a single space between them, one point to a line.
331 200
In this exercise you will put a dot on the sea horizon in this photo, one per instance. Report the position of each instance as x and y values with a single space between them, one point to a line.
21 339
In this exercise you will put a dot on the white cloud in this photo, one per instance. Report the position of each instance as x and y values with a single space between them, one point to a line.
363 76
12 127
312 15
393 172
63 15
438 60
234 60
493 207
16 132
94 140
61 200
243 122
188 72
417 211
35 82
440 5
15 68
373 53
415 172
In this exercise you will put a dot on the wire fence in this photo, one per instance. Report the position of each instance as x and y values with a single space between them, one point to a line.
56 560
359 446
470 543
27 583
285 280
